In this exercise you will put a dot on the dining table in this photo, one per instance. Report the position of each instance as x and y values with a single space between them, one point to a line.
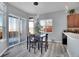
42 38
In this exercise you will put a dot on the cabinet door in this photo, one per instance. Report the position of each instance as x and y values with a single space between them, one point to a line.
77 21
70 20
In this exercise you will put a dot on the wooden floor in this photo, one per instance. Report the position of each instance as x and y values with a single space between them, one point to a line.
54 50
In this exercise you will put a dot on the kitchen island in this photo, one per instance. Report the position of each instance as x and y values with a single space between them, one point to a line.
72 44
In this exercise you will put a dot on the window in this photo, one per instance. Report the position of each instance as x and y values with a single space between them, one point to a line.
1 27
31 26
2 12
46 25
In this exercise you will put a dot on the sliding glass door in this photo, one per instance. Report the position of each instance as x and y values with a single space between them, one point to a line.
1 26
23 30
13 30
17 30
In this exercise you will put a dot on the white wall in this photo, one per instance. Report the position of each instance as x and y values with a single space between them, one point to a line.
59 23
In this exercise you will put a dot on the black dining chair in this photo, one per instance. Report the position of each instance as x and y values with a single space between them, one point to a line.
44 43
32 42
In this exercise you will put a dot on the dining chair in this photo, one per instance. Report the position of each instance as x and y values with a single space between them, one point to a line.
44 43
32 42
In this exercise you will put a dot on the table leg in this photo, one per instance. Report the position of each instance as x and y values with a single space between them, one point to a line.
41 46
38 45
27 42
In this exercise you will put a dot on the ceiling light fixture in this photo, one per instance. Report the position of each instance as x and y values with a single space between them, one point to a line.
36 7
35 3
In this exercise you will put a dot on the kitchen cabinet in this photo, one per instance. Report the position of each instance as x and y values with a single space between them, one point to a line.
73 21
76 24
72 44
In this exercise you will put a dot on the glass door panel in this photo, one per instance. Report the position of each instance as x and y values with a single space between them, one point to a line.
23 30
13 30
1 27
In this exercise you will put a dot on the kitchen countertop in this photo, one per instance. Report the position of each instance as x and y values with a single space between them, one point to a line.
72 35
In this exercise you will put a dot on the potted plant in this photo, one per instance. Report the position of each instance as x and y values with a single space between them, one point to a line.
37 28
71 11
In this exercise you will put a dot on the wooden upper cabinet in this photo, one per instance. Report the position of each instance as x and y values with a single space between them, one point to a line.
76 21
73 21
70 20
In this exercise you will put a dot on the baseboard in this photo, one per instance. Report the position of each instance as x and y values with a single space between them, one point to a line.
10 47
23 41
7 49
69 53
16 44
49 41
3 51
55 41
58 41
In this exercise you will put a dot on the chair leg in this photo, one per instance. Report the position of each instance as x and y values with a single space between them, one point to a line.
27 43
32 45
41 47
45 48
34 50
35 47
47 45
29 48
38 46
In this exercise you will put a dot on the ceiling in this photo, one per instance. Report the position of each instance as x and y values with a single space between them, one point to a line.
44 7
